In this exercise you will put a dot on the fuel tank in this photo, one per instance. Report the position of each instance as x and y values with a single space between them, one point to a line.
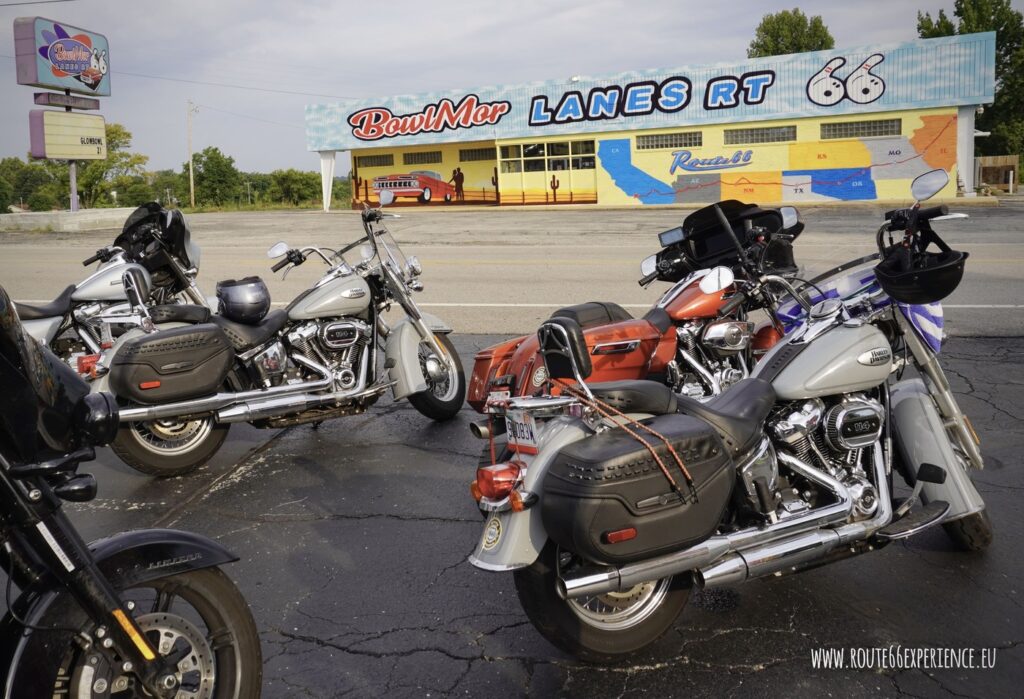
105 284
845 358
686 301
340 296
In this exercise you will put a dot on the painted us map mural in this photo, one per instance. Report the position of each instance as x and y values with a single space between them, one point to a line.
831 170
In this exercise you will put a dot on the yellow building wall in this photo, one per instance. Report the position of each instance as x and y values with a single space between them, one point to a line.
478 183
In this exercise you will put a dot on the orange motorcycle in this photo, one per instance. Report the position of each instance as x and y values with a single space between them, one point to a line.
698 338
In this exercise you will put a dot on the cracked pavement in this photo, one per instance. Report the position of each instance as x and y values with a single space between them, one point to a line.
353 539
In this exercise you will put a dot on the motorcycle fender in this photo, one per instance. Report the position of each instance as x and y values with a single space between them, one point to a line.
403 359
512 540
125 559
436 324
920 437
43 330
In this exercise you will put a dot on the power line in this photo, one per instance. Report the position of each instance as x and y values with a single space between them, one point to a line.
212 84
246 116
37 2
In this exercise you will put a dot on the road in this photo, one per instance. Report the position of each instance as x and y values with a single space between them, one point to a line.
499 270
353 536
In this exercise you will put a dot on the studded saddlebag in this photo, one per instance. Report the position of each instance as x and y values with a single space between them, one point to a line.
172 365
610 482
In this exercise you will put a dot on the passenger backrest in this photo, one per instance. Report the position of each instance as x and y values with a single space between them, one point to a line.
564 349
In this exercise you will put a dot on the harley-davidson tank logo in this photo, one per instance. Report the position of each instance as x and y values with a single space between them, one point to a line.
875 357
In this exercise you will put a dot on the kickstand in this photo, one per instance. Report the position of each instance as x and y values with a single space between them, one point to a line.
316 425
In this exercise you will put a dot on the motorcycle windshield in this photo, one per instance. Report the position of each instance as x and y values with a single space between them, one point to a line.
855 281
178 238
145 215
39 396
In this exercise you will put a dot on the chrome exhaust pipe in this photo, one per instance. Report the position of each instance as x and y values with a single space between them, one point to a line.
600 580
218 401
789 554
480 430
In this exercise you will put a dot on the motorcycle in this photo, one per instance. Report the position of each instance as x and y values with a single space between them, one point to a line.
141 613
609 517
685 340
182 387
85 317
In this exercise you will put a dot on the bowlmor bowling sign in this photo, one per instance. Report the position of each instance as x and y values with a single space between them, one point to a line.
67 135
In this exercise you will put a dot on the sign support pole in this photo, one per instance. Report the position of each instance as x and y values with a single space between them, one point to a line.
74 185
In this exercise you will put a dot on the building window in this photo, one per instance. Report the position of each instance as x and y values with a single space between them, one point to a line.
760 134
582 147
558 148
561 155
862 129
425 158
533 150
468 155
534 165
508 166
680 139
384 160
511 152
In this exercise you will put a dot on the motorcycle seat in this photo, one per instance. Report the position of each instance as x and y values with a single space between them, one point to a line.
636 396
243 337
179 313
738 413
594 313
58 307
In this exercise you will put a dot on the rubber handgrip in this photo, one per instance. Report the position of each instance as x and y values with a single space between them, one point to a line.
94 258
737 300
280 265
933 212
644 281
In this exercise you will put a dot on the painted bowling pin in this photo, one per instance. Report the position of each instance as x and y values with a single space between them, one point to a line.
826 89
862 86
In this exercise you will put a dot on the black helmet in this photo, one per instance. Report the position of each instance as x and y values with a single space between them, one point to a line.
243 300
910 274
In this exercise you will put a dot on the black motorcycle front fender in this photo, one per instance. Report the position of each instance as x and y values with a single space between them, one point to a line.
126 559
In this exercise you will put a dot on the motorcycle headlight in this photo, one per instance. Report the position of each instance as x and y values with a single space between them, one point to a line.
413 266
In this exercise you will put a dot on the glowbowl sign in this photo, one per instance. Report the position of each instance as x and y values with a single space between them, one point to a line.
58 56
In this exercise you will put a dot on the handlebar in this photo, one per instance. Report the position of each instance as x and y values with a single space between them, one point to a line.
737 300
648 278
94 258
280 265
932 212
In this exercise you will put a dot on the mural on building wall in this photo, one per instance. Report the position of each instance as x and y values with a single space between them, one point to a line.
842 170
444 179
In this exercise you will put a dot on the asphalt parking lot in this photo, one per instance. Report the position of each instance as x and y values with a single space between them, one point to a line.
353 537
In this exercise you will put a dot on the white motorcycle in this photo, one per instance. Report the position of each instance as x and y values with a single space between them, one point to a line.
330 353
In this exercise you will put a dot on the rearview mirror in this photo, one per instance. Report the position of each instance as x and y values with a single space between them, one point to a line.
929 184
790 217
717 279
649 265
386 197
277 249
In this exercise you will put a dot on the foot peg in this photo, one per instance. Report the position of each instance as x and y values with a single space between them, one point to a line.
914 522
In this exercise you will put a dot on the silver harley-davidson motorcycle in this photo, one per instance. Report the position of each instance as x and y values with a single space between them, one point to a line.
620 497
330 353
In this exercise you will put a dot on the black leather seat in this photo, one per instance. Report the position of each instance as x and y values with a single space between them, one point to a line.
58 307
179 313
738 413
593 313
636 396
243 337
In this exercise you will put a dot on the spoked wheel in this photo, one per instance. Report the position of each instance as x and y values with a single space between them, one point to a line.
169 447
597 628
446 381
199 622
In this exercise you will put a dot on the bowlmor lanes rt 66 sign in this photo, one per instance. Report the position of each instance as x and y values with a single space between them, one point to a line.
58 56
67 135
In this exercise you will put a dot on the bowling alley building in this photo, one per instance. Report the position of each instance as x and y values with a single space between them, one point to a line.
837 125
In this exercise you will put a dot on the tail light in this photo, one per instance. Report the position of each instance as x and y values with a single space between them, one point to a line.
497 481
87 364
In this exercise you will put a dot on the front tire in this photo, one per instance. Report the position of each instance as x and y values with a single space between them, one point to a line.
971 533
445 391
425 196
168 448
599 629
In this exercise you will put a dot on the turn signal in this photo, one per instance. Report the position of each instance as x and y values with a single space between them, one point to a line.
87 364
497 481
146 385
474 490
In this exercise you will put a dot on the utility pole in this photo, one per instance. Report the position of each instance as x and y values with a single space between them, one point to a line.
191 175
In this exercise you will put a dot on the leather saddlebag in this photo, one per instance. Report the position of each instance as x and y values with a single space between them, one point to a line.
600 487
172 365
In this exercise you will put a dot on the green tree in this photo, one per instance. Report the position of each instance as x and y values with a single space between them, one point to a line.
294 186
6 195
341 195
95 177
9 169
217 180
1005 117
789 31
41 200
28 180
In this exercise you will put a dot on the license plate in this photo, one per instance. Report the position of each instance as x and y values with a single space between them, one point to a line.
521 430
499 395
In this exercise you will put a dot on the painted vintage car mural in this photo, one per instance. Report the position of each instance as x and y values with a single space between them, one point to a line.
423 185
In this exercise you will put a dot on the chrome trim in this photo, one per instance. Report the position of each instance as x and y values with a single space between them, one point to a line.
621 347
706 376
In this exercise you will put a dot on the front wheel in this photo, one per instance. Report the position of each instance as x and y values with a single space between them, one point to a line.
970 533
169 447
198 618
446 381
602 628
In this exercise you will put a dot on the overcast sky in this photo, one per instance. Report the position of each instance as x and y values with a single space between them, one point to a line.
389 47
